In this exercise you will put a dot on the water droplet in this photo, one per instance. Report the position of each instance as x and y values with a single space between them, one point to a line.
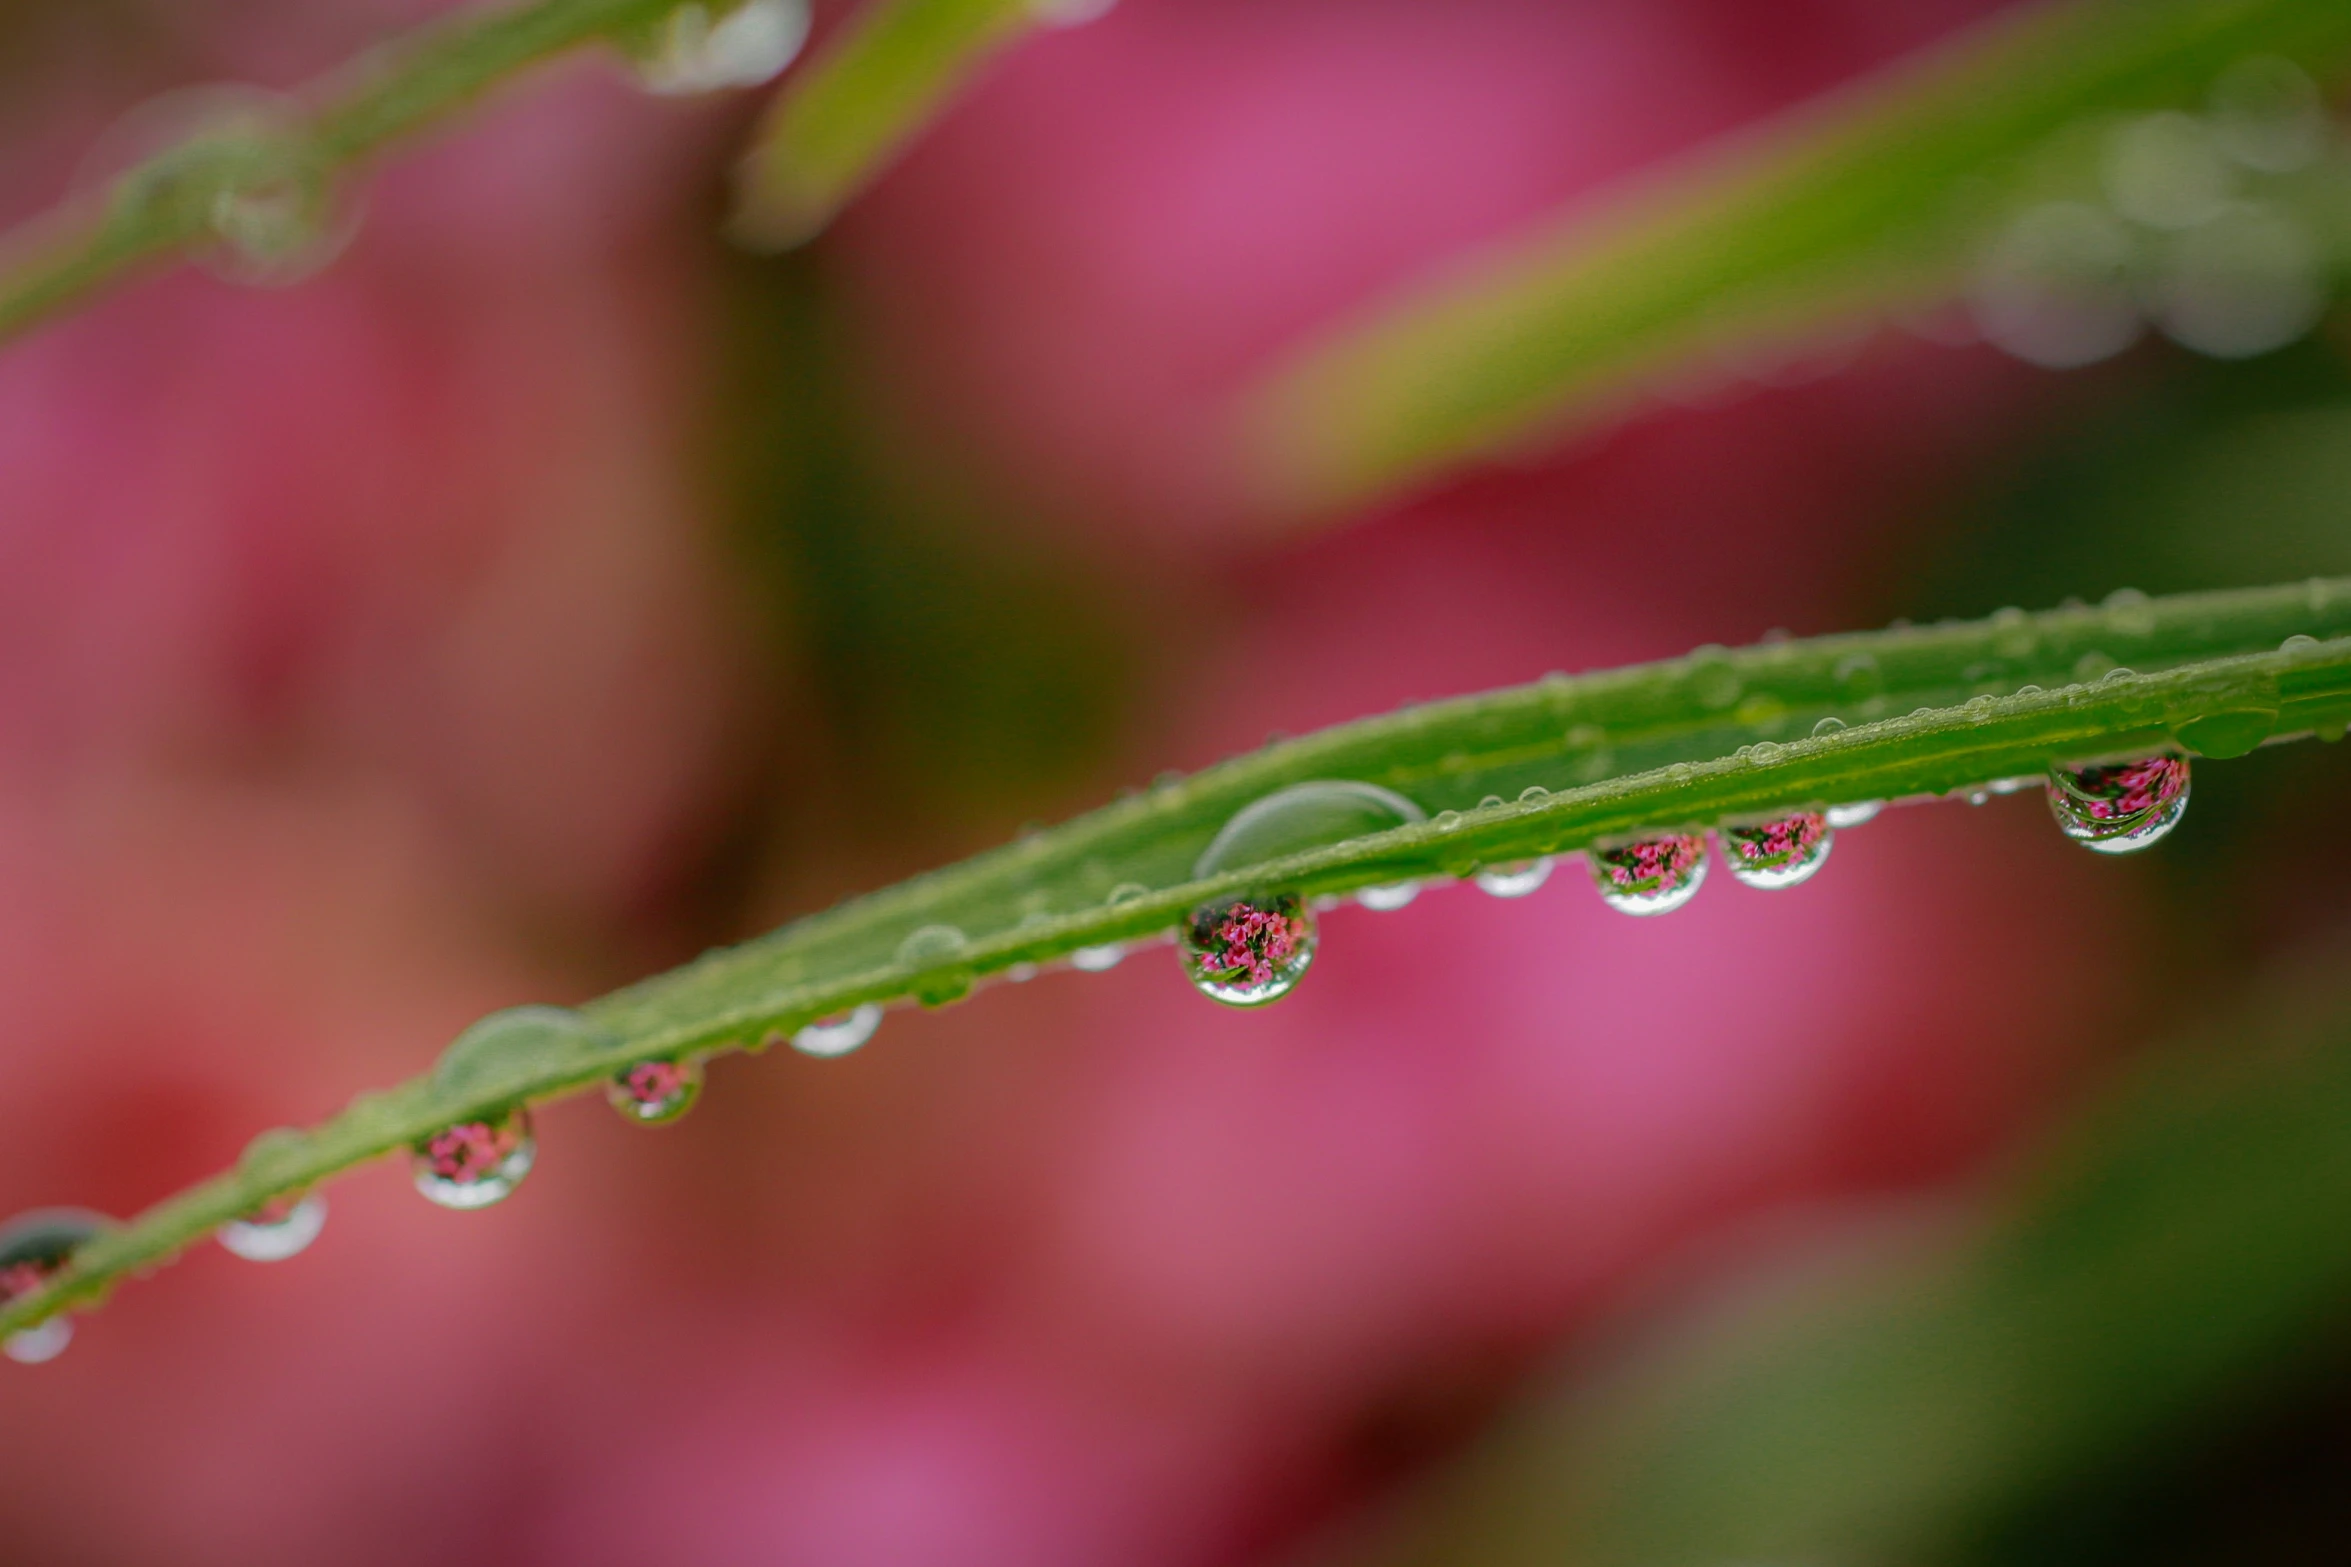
1763 753
1387 897
280 1228
2092 665
2297 642
515 1050
1979 797
655 1092
1448 821
2165 171
2129 613
1021 973
1126 892
2267 114
34 1248
1853 814
2248 280
1514 880
1778 853
1249 951
837 1036
2119 672
1097 960
690 51
925 949
1304 816
2230 734
1859 678
1650 875
1714 680
2055 288
2119 807
1533 794
475 1163
2013 635
2029 691
1827 726
274 1155
928 944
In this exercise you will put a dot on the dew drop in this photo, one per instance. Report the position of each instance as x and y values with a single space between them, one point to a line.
1021 973
1714 680
2013 635
1388 897
475 1163
34 1248
1853 814
930 951
1859 678
837 1036
1246 952
2129 613
1533 794
1305 816
690 51
1650 875
1097 960
1827 726
2229 734
2297 642
1778 853
1514 880
928 944
515 1050
280 1228
1126 892
1448 821
655 1092
2092 665
2120 807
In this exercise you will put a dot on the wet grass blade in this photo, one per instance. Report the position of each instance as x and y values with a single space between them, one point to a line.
1506 775
1853 206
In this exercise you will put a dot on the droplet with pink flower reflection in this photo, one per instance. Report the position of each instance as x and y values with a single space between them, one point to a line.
654 1093
280 1228
34 1248
1246 952
1778 853
2120 807
1650 875
475 1163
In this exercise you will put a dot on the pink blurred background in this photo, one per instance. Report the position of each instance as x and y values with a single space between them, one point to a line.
382 650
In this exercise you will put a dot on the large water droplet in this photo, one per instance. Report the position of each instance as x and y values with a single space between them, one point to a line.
925 950
34 1248
1514 880
280 1228
475 1163
837 1036
516 1050
2116 808
655 1092
1650 875
1304 816
690 51
1778 853
1246 952
2222 736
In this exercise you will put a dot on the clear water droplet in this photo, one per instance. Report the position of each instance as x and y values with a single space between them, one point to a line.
1859 678
931 951
2297 642
1388 897
2092 665
43 1341
1246 952
1514 880
2118 673
691 51
1126 892
1021 973
1097 960
34 1248
1448 821
837 1036
655 1092
1714 679
1650 875
2029 691
516 1050
927 944
2055 287
1854 813
1778 853
2129 613
1489 802
1533 794
2013 635
1304 816
1827 726
280 1228
2117 808
2237 732
475 1163
1979 797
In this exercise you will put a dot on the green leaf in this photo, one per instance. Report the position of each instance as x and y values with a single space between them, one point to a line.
1564 762
1858 205
891 70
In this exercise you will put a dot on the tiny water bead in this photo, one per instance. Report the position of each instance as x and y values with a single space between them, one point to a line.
475 1163
2119 807
1388 897
34 1248
1853 814
837 1036
1514 880
1778 853
1650 875
280 1228
654 1093
1097 960
692 51
1249 951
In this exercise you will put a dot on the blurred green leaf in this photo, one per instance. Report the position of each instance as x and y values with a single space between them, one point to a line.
1856 206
